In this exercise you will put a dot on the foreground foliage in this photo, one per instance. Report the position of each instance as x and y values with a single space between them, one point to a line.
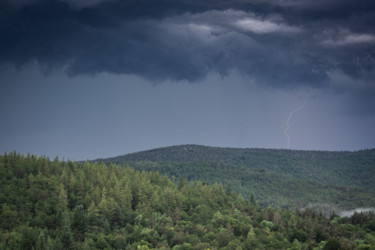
80 205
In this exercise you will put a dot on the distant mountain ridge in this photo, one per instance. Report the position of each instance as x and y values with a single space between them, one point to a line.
276 177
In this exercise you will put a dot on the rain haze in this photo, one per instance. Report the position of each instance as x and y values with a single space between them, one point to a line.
91 79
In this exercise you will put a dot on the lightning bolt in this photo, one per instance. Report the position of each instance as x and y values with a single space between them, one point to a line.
288 121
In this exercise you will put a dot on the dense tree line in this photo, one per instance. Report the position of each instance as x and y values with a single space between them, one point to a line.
278 178
270 189
81 205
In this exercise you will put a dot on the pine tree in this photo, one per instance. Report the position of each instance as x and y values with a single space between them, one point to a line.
79 223
62 200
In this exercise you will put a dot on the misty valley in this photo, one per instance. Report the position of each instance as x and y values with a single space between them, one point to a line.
190 197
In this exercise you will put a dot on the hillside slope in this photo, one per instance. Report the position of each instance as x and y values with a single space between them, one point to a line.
81 205
282 178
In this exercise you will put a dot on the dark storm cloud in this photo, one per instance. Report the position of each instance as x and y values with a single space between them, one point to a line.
276 43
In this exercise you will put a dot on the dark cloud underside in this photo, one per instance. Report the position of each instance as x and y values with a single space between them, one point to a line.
276 43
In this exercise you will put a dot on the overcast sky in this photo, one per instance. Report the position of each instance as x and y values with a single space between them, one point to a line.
84 79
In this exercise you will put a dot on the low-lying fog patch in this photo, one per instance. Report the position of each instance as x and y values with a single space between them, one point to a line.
349 213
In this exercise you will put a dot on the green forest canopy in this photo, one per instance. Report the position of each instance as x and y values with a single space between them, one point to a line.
81 205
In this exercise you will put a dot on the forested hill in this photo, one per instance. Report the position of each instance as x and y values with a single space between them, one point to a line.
81 205
282 178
